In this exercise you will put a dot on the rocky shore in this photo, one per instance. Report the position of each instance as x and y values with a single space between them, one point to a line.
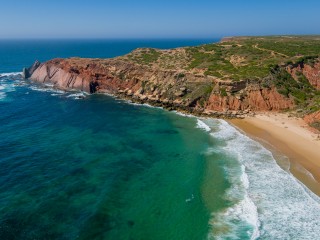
173 90
187 79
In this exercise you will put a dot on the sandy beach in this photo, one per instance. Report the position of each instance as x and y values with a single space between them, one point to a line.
289 136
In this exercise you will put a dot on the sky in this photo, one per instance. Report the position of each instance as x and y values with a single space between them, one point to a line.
114 19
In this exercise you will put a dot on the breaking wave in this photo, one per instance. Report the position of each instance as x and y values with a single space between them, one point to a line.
10 74
268 202
202 125
8 82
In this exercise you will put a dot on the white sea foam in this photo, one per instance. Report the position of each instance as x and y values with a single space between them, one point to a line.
51 85
79 95
147 105
57 92
39 89
242 217
268 198
6 87
10 74
42 89
10 87
138 104
150 106
184 114
202 125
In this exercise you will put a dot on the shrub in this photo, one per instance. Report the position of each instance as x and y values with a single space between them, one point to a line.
223 92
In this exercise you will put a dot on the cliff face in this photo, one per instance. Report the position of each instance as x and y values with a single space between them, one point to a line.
256 99
311 72
174 89
61 78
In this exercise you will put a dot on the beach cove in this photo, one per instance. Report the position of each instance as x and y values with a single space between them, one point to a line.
290 136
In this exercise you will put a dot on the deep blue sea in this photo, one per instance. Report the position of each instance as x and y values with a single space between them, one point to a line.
103 168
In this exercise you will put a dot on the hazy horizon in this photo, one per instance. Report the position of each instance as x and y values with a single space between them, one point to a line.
150 38
202 19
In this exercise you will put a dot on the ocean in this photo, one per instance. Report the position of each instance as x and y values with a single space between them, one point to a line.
96 167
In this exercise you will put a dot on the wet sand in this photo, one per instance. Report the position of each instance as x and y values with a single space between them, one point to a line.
288 136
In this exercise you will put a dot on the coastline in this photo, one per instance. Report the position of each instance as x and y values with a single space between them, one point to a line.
282 135
288 136
291 136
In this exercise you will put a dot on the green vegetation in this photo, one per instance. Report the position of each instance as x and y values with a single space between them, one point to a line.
262 59
223 92
251 57
145 56
199 91
180 75
305 96
239 58
291 46
315 125
208 89
310 60
150 56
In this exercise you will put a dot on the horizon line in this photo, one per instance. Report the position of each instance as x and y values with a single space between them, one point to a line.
115 38
154 38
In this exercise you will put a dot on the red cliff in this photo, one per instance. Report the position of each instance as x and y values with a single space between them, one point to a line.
169 88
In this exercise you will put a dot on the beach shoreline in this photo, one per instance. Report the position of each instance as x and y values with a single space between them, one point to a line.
287 136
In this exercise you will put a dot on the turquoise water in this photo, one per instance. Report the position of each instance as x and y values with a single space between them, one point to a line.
99 168
102 168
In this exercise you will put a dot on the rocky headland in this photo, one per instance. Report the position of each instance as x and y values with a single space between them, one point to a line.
231 79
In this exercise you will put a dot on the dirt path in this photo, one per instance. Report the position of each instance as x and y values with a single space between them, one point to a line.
273 53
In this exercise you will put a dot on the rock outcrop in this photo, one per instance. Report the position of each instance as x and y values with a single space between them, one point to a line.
51 72
27 72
